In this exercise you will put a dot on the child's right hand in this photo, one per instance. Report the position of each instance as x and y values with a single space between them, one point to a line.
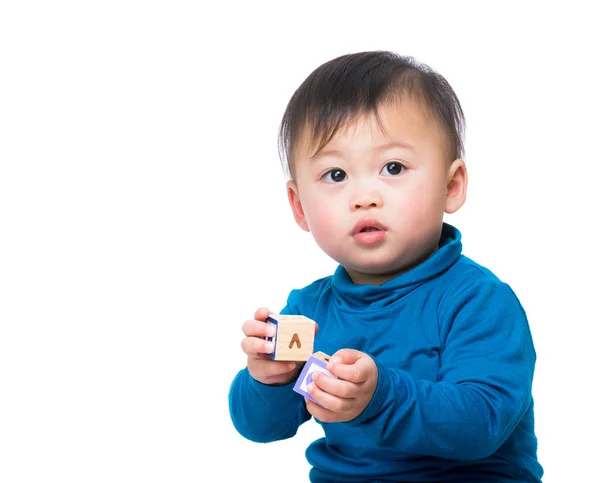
261 367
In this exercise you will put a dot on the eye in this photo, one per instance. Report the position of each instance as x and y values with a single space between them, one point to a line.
335 176
393 168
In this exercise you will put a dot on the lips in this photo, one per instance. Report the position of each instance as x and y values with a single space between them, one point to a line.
366 226
369 233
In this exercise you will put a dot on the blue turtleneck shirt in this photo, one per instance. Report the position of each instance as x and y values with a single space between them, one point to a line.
455 362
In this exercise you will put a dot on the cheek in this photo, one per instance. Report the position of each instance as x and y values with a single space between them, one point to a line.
325 215
425 201
321 217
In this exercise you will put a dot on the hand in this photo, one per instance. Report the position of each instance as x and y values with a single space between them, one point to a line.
261 367
345 398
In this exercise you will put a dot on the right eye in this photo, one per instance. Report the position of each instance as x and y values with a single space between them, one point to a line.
335 176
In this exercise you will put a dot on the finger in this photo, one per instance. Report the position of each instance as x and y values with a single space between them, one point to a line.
258 328
262 313
346 356
255 345
326 400
336 387
319 412
356 372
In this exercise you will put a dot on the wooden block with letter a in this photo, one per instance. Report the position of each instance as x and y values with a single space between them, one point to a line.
294 337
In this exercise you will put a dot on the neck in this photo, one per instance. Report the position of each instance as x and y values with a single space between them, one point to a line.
362 278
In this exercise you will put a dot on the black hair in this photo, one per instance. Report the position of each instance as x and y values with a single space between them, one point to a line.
350 85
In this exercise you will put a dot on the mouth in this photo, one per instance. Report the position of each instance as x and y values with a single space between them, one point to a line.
367 226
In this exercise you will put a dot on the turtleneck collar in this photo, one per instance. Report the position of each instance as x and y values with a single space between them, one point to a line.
352 297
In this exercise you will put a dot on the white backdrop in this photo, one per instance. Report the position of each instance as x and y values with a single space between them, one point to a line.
143 216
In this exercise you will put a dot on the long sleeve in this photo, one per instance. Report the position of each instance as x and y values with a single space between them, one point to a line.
484 381
264 413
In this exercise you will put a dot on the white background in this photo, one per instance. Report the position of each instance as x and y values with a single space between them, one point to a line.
143 216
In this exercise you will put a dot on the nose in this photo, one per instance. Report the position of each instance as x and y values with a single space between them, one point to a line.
366 201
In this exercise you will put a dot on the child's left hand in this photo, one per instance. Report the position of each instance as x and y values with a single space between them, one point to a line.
345 398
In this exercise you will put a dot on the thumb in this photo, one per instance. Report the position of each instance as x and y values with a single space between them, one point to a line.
348 364
345 356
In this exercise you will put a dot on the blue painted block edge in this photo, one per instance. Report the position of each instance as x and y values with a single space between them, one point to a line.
274 338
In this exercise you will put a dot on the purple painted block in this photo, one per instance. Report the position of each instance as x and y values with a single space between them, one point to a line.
317 362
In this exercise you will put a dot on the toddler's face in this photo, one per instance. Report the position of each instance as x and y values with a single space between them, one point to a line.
374 199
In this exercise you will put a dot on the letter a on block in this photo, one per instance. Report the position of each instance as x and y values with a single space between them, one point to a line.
295 339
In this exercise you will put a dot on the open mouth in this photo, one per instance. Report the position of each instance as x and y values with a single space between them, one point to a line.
368 226
369 232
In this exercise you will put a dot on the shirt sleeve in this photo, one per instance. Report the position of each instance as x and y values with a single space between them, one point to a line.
263 413
483 387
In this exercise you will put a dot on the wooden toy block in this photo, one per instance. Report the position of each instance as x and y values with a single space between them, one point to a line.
317 362
294 337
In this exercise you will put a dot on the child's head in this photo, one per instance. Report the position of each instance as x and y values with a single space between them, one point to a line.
373 144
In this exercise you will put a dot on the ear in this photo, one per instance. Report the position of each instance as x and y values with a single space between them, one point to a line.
456 186
296 204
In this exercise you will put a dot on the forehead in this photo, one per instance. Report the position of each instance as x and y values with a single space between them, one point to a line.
404 121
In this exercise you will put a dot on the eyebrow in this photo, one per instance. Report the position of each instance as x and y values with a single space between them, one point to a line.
394 144
380 148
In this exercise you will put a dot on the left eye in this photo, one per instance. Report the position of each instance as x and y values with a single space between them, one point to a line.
393 168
